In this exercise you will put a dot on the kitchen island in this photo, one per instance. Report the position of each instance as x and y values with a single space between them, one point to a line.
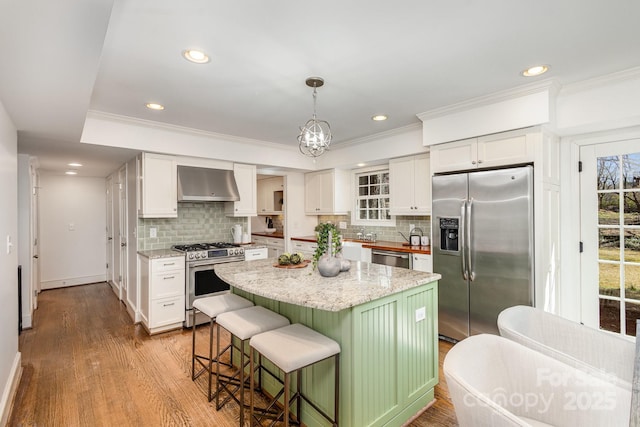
385 320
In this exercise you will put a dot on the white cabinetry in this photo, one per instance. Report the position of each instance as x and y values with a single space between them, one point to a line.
421 262
257 253
158 186
327 192
246 179
508 148
308 249
267 189
410 185
275 245
162 293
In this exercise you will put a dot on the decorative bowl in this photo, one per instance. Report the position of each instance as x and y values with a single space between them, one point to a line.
270 230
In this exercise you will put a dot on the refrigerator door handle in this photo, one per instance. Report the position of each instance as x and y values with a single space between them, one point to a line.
472 274
461 233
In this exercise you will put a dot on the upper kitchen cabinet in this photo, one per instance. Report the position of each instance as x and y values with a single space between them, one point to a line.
410 185
246 180
327 192
158 182
488 151
270 195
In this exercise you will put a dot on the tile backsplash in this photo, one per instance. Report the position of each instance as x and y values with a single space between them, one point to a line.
207 222
390 234
196 222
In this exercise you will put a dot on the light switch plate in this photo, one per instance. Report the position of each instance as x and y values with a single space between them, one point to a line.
343 225
153 232
421 314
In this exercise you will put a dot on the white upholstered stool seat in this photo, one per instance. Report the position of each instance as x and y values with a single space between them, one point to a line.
211 307
242 324
292 348
218 304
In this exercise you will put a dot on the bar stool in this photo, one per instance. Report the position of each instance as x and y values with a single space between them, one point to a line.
212 307
292 348
242 324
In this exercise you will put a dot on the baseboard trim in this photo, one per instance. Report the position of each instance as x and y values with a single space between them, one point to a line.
10 390
133 313
74 281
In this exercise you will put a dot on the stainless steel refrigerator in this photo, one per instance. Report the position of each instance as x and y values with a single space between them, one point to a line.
482 245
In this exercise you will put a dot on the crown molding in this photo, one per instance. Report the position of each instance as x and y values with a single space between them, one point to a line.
552 85
133 121
601 81
379 135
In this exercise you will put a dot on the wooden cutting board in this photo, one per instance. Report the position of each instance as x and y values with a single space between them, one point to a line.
303 264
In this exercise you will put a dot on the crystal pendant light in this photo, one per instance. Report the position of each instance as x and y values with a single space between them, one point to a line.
315 135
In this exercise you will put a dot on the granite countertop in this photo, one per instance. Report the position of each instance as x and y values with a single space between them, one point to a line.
305 287
379 244
161 253
275 234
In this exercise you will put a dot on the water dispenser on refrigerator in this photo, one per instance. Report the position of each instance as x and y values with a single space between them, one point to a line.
449 234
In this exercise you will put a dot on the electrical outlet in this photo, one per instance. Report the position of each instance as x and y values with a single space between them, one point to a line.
153 232
343 225
411 227
421 314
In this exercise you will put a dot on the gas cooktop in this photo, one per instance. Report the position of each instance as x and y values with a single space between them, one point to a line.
204 246
218 251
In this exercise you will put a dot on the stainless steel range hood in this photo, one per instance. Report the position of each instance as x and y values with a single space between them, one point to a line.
206 185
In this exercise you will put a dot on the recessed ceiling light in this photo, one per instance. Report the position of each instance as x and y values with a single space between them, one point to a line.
379 118
154 106
74 165
361 165
71 172
196 56
535 71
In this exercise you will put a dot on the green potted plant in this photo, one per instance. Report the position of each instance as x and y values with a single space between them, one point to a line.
330 248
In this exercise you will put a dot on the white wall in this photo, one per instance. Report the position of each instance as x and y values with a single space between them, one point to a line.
71 257
9 356
24 231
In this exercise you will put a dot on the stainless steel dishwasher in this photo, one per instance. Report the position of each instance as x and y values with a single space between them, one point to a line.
392 258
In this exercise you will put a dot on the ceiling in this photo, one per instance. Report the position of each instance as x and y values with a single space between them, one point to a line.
64 58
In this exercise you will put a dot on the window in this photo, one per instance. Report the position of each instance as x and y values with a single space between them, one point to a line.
372 198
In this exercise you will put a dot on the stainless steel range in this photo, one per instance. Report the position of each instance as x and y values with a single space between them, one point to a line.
201 279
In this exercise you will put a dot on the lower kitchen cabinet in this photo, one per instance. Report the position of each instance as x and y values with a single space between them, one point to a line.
422 262
257 253
162 292
275 245
308 249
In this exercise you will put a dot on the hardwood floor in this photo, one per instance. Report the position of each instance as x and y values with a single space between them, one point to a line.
86 364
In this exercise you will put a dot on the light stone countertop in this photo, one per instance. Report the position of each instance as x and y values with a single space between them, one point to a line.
161 253
305 287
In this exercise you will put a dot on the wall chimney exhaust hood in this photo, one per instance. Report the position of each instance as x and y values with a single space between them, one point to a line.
206 185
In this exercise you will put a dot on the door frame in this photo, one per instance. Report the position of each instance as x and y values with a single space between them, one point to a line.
123 234
589 226
573 296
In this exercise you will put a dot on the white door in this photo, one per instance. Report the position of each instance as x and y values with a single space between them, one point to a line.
109 229
610 229
123 274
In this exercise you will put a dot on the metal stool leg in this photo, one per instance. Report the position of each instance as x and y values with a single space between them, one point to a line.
287 391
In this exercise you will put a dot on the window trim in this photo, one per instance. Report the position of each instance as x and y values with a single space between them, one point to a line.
355 217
